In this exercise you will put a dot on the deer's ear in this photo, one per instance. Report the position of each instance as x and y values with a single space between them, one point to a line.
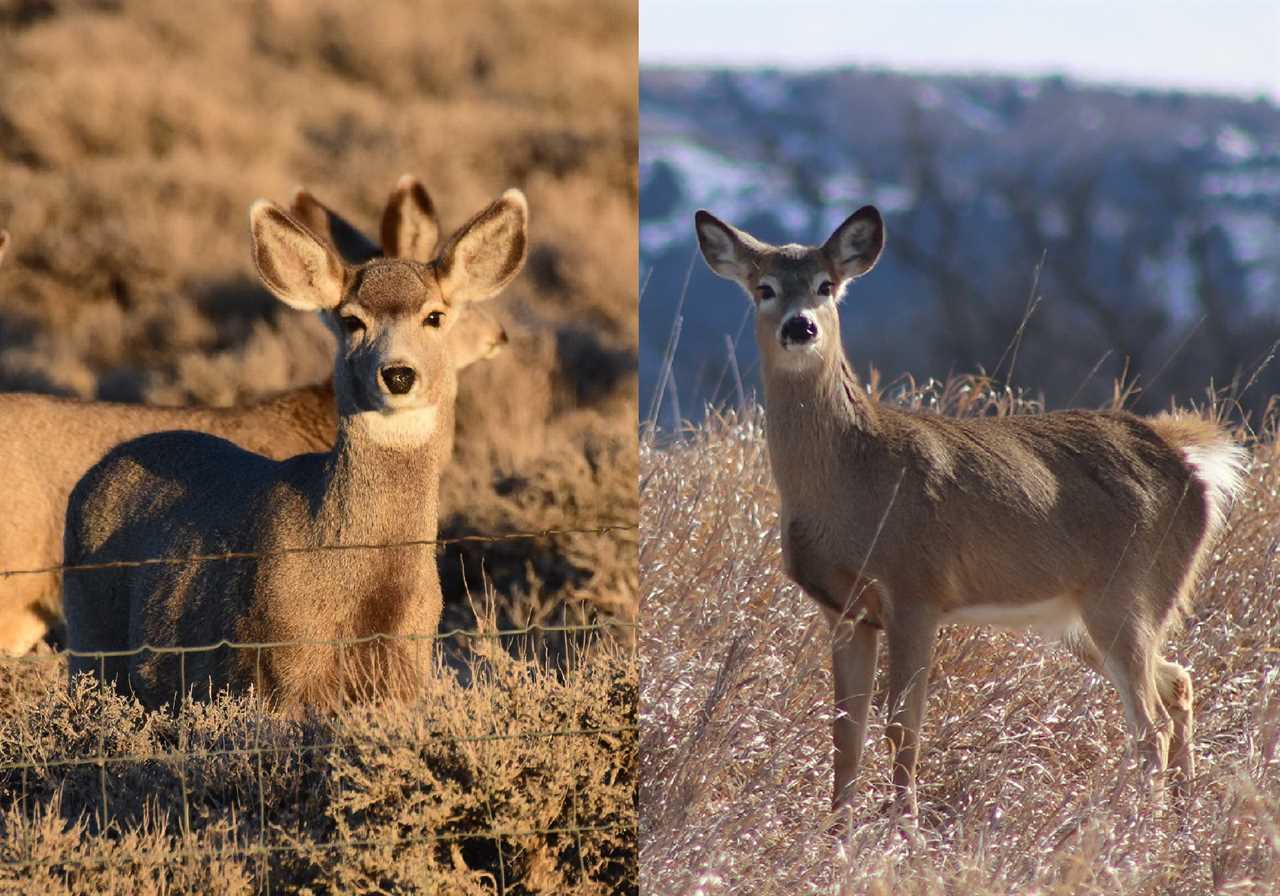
332 228
4 244
728 251
476 335
487 252
410 227
855 246
311 213
298 267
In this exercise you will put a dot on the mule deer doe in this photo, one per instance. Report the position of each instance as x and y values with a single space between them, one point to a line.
1085 525
48 443
180 494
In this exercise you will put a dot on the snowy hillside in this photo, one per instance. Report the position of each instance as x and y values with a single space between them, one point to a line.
1157 216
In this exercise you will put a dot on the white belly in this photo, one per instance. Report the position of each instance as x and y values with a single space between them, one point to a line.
1052 619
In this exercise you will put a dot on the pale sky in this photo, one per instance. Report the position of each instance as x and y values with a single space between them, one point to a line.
1230 46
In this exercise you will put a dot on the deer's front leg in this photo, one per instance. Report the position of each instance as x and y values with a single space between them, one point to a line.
912 632
854 647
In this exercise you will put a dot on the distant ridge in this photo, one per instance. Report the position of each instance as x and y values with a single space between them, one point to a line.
1152 210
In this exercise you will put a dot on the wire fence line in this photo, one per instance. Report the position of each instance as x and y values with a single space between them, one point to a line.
62 568
301 748
535 628
274 747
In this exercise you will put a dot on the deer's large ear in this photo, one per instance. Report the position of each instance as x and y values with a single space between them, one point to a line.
487 252
856 244
311 213
4 244
410 228
332 228
298 267
729 252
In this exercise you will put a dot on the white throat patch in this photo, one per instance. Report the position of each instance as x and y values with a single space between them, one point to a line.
410 428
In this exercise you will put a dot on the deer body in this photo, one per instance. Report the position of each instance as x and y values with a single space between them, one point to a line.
47 443
179 494
344 498
1085 526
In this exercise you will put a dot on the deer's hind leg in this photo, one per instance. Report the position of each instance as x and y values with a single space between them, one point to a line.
23 628
1121 644
1174 685
1174 689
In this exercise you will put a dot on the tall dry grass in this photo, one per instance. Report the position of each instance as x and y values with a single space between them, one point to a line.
1027 780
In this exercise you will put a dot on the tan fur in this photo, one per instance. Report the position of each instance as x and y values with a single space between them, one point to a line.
179 494
48 443
1087 526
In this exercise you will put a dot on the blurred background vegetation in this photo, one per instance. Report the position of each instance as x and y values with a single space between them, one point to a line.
1141 223
134 134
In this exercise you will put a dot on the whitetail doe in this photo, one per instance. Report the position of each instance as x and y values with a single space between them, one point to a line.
1087 526
182 494
48 443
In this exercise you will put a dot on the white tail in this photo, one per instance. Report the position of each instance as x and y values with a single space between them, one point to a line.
1220 469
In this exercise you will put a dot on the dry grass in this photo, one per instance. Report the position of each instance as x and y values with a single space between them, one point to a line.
133 136
379 798
1027 780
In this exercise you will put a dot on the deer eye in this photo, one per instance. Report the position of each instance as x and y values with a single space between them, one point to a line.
434 319
765 291
352 324
824 288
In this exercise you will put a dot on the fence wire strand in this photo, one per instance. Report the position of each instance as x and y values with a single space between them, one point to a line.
223 556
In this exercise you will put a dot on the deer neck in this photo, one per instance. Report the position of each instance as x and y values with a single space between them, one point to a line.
815 415
382 481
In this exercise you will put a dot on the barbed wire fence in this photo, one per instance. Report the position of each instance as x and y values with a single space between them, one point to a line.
273 741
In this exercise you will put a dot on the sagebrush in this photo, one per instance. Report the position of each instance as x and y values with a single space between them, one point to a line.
521 780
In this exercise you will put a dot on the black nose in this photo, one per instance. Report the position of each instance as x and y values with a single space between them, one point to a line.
799 329
399 380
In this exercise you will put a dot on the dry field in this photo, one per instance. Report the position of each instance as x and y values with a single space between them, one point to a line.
1027 781
133 136
520 782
